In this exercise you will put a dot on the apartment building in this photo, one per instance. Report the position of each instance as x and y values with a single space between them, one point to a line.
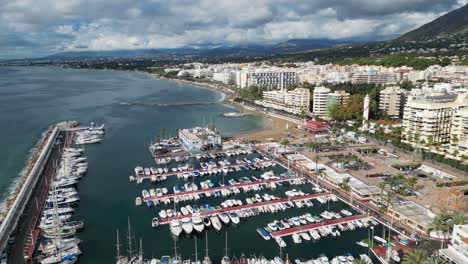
457 250
392 101
294 101
273 78
459 133
374 77
336 98
320 96
428 119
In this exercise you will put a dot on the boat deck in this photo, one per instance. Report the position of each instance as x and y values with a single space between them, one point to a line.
246 206
298 229
227 187
190 170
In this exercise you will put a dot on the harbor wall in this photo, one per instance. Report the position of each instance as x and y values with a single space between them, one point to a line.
15 211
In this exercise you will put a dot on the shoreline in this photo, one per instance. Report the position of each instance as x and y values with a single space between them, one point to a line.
274 127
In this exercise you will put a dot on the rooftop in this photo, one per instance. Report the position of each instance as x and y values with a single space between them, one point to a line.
414 211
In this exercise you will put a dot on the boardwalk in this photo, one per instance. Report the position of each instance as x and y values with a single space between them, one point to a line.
190 170
240 185
247 206
293 230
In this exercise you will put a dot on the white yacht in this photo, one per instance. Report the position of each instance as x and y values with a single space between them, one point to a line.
215 222
176 228
187 225
198 223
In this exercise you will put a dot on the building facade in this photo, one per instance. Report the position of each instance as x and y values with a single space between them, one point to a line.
457 251
295 101
374 77
428 120
392 101
336 98
459 133
273 79
320 96
195 139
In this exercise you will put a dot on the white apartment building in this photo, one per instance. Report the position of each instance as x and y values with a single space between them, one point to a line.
374 77
295 101
457 250
392 100
226 77
429 118
459 133
320 96
274 78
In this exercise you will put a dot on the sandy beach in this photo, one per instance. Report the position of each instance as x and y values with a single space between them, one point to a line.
274 128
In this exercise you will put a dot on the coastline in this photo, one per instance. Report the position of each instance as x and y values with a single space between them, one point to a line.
274 128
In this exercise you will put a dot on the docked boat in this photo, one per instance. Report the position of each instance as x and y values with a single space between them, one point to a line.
379 239
176 228
197 223
346 212
234 218
224 218
215 222
362 244
187 225
263 233
155 222
206 222
296 238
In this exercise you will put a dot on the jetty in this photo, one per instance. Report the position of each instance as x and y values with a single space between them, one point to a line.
246 206
299 229
209 190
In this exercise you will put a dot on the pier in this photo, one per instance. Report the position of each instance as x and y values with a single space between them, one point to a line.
246 206
190 170
209 190
293 230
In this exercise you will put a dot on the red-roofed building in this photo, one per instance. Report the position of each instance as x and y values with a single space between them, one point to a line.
316 126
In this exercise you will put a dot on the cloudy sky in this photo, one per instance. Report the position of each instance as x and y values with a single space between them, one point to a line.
33 28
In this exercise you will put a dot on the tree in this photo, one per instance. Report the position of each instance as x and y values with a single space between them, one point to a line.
459 219
345 183
441 223
285 142
415 257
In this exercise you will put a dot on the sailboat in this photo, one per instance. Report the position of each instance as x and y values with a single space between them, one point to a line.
207 259
119 258
225 259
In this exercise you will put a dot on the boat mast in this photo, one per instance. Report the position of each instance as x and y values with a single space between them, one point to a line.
130 252
196 250
118 246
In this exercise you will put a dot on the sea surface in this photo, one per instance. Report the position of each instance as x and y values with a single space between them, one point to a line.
135 108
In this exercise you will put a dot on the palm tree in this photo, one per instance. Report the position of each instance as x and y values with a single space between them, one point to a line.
411 182
415 257
458 219
345 183
441 223
285 142
359 261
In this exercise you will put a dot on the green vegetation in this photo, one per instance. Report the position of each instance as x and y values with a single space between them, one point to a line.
350 111
452 183
415 257
441 158
344 184
397 61
251 93
444 222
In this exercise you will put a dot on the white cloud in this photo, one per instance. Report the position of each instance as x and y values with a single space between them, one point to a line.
126 24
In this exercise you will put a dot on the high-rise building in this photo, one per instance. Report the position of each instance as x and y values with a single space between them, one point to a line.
392 100
459 133
320 96
336 98
457 250
273 78
428 119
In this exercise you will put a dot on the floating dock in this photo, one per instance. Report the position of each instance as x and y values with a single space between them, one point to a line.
190 170
304 228
247 206
209 190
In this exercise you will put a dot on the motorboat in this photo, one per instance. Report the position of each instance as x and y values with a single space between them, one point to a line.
197 223
187 225
234 218
215 222
206 222
176 228
346 212
263 233
224 218
155 222
296 238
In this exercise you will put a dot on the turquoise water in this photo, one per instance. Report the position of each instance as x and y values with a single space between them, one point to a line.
130 105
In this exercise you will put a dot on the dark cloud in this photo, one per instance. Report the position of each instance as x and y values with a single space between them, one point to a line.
50 25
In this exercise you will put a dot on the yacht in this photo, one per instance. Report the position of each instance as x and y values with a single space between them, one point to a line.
215 222
207 222
234 218
187 225
176 228
297 238
155 222
224 218
197 223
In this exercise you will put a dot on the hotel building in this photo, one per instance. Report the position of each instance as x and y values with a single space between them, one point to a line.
374 77
336 98
295 101
320 96
392 101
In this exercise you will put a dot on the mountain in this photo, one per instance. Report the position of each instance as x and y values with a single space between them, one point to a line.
287 47
453 22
